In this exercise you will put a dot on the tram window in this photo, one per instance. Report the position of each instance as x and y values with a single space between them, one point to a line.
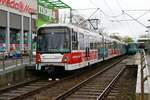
105 45
91 45
53 40
81 41
109 44
74 41
87 41
99 45
114 45
95 45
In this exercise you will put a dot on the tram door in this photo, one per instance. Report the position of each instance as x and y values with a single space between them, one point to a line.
74 40
87 47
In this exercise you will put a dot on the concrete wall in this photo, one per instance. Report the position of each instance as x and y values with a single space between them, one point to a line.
14 75
11 77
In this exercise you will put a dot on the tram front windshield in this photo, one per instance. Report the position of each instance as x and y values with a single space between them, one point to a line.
53 40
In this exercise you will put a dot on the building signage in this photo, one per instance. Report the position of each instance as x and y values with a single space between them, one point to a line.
18 5
45 11
46 15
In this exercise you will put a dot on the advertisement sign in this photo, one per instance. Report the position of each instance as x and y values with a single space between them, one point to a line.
18 5
46 15
45 11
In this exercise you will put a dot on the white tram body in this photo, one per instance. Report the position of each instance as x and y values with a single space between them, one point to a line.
69 47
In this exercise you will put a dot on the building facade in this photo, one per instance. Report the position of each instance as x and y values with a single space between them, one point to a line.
17 23
20 18
144 43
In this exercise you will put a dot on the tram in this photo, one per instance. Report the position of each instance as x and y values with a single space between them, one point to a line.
132 48
67 47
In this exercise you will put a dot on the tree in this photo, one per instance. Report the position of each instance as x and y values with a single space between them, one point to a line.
116 36
127 39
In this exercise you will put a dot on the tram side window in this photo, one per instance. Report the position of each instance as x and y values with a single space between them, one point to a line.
114 45
95 45
81 41
87 41
91 45
110 45
106 43
74 41
98 45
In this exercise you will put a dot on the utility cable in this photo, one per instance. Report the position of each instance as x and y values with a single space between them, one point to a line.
118 3
134 19
105 13
107 5
89 16
142 15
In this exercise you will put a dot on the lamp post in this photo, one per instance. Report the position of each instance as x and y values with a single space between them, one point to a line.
71 15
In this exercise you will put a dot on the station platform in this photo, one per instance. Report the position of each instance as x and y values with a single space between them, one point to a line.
13 70
148 61
146 71
14 64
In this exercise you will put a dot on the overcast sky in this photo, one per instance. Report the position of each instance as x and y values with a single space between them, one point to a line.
112 18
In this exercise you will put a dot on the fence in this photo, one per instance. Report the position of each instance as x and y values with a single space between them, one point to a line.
14 60
143 77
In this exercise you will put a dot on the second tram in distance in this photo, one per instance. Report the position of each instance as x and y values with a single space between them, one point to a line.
67 47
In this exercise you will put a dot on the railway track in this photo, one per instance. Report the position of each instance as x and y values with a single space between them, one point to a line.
97 86
124 88
28 89
22 90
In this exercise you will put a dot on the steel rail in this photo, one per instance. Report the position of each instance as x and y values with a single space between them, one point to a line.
110 86
5 89
39 89
73 89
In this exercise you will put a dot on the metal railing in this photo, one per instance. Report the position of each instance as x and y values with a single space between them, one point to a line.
143 78
8 60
